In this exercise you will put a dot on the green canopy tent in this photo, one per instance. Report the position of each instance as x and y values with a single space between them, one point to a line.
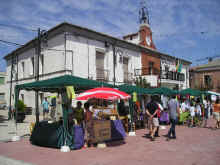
58 85
163 91
131 89
191 92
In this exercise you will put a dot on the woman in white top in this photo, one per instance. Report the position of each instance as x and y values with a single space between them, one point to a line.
199 112
192 112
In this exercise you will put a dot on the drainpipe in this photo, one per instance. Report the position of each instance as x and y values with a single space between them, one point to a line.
65 51
114 61
88 56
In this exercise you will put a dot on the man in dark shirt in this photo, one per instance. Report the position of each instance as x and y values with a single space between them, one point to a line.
151 110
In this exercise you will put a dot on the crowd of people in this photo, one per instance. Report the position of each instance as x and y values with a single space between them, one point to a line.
197 111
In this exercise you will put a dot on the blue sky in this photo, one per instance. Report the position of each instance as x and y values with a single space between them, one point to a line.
188 29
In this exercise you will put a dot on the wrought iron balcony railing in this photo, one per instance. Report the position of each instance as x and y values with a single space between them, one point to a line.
102 74
128 77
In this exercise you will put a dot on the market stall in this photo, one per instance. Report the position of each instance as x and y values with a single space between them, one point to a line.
106 124
58 133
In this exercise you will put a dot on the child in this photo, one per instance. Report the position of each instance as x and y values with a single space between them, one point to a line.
198 112
192 112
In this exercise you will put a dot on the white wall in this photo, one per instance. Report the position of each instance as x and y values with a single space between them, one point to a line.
84 51
172 67
135 39
80 58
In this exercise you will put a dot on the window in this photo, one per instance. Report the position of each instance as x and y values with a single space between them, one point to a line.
23 69
151 65
32 66
41 64
2 96
2 80
166 68
100 72
207 80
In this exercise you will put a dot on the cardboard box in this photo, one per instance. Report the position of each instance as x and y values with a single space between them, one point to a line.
101 131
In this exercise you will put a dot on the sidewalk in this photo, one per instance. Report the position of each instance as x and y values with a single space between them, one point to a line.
8 128
193 146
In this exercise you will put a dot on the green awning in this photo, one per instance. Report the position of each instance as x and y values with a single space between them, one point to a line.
163 91
54 84
191 92
131 88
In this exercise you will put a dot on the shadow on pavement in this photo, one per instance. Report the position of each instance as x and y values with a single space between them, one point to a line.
115 143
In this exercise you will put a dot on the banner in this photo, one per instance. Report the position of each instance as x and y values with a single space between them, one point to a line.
70 92
134 96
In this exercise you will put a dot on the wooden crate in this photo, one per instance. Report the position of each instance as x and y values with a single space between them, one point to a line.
101 131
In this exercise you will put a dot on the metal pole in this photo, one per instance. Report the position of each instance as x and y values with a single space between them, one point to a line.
37 75
10 109
114 61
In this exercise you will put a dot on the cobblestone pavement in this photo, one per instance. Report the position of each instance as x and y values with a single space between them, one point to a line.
193 146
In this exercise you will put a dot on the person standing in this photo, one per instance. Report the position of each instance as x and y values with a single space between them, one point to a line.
216 113
53 109
151 110
79 113
174 112
198 112
88 124
206 112
45 105
192 113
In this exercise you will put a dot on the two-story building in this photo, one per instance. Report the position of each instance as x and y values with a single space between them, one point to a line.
206 76
73 50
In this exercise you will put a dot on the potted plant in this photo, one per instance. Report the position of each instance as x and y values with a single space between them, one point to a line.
21 111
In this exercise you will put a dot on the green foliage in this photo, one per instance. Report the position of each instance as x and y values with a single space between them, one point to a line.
21 106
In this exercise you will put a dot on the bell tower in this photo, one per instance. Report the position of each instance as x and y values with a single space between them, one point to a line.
145 31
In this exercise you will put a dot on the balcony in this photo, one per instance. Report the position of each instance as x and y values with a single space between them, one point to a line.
146 71
128 77
102 74
170 75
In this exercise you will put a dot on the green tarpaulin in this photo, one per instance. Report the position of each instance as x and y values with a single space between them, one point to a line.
53 84
131 88
191 92
163 91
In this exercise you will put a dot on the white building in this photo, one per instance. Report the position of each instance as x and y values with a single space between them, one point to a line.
81 52
76 51
3 89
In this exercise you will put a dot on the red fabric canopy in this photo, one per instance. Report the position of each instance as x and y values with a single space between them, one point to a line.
103 93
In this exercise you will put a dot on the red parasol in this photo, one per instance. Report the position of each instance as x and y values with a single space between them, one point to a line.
103 93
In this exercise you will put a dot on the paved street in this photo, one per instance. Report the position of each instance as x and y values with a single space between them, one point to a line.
194 146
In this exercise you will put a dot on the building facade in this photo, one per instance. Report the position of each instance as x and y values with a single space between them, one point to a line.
75 51
82 52
157 68
206 77
3 89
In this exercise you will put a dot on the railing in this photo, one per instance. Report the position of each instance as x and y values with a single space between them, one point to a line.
102 74
146 71
170 75
128 77
164 75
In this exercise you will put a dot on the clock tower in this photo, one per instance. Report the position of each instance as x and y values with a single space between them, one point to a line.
145 31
